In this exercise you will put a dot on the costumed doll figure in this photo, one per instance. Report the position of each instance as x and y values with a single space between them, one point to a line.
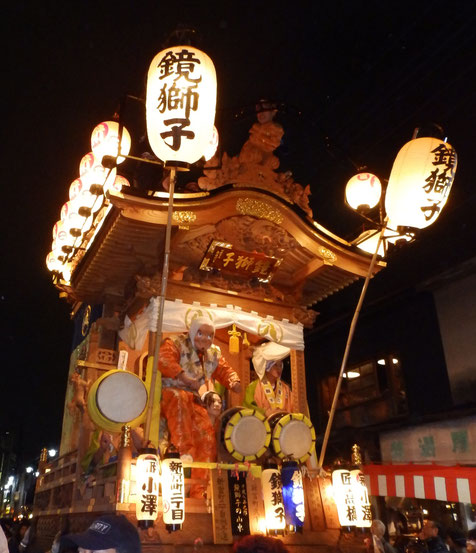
189 363
268 393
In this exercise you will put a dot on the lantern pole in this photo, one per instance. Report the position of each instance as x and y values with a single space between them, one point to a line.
161 298
347 347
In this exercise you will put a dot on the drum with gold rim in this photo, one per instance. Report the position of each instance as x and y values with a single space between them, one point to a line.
117 398
292 436
246 433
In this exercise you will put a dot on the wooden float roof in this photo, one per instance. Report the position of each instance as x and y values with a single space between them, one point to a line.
316 263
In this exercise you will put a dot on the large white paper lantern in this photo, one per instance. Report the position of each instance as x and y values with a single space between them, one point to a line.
363 191
173 491
361 499
147 487
105 141
273 500
180 104
420 182
344 497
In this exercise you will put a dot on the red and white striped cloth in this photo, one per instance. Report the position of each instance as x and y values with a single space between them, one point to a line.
455 483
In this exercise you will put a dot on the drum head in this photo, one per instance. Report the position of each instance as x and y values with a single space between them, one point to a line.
121 397
294 436
247 435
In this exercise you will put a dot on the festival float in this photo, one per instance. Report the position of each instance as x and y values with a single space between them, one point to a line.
187 298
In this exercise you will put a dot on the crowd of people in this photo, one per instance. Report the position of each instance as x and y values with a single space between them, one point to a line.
110 533
433 538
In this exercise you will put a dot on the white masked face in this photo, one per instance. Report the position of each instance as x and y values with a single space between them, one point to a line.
203 338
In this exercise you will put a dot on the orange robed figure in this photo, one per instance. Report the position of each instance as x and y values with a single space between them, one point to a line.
189 363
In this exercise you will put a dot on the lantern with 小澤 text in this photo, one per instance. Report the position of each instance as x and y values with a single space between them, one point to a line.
273 499
180 104
420 182
173 491
147 487
361 499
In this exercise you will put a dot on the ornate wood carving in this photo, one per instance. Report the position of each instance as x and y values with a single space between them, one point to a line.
256 165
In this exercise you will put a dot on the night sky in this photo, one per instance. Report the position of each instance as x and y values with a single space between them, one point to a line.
354 79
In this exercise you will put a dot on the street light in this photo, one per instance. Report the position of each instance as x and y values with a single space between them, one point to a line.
29 470
52 452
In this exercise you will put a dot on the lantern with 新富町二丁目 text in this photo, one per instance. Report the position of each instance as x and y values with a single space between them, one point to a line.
173 491
420 182
180 104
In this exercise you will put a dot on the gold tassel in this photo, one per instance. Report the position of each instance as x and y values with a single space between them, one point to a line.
246 342
234 344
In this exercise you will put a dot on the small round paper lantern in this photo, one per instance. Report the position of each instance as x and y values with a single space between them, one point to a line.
105 141
86 164
98 177
147 487
173 491
363 191
75 188
119 183
212 145
62 236
420 182
76 223
180 104
58 252
88 203
53 263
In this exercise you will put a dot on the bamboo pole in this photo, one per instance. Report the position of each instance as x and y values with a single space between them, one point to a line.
160 316
347 348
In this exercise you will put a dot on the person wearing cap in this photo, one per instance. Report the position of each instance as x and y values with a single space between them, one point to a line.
108 534
189 364
268 393
456 540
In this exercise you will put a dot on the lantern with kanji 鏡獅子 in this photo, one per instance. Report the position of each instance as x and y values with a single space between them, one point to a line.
180 104
420 182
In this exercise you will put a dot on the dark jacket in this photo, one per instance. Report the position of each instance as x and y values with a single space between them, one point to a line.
436 545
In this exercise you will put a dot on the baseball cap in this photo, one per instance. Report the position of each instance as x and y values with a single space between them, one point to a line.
457 536
106 532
